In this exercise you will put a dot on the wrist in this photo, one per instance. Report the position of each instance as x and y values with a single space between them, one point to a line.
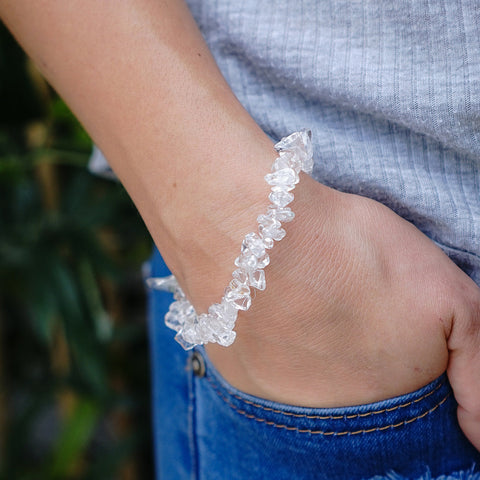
209 212
217 326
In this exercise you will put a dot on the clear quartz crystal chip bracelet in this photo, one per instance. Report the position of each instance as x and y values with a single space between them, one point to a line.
295 155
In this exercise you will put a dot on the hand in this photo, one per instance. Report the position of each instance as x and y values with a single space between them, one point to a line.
356 296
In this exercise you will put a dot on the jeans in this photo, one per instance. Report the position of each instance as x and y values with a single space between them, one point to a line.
206 429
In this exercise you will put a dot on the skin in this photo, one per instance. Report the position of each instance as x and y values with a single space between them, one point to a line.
356 295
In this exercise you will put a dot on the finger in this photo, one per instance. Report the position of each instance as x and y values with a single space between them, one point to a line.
464 369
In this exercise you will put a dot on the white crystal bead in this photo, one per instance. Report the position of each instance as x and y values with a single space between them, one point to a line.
299 142
173 321
281 198
269 227
283 161
216 331
224 312
268 220
178 314
257 279
226 338
186 345
282 214
286 178
238 288
204 329
266 234
277 234
241 275
308 165
229 309
238 295
292 159
263 261
242 303
178 294
189 335
268 241
250 262
247 261
254 243
167 284
281 189
269 234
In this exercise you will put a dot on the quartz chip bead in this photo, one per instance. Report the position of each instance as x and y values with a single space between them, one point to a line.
308 165
238 294
254 244
188 337
226 338
257 280
249 262
179 313
214 330
288 159
253 278
282 214
268 241
167 284
241 275
224 313
281 198
285 179
186 345
301 143
204 329
301 140
178 294
269 227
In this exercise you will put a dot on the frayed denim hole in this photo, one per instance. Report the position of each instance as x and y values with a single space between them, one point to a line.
461 475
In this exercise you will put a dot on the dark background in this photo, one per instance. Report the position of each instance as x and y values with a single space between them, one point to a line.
74 361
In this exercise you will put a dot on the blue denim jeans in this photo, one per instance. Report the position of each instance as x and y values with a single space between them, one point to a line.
207 430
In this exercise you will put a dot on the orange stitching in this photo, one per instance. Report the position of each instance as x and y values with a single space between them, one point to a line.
335 417
325 433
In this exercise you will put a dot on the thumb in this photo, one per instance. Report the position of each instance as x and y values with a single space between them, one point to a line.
464 366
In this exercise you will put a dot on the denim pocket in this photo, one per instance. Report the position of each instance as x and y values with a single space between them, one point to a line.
238 436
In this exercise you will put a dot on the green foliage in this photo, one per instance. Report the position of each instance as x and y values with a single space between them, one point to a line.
77 432
74 377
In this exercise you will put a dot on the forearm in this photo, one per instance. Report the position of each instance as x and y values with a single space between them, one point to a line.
139 76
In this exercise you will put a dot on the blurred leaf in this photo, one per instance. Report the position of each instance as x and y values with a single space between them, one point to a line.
77 432
20 437
90 287
58 156
108 464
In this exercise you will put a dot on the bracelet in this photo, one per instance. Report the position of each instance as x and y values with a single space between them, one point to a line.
295 155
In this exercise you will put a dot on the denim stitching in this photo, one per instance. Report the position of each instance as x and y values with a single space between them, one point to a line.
339 417
322 432
334 417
